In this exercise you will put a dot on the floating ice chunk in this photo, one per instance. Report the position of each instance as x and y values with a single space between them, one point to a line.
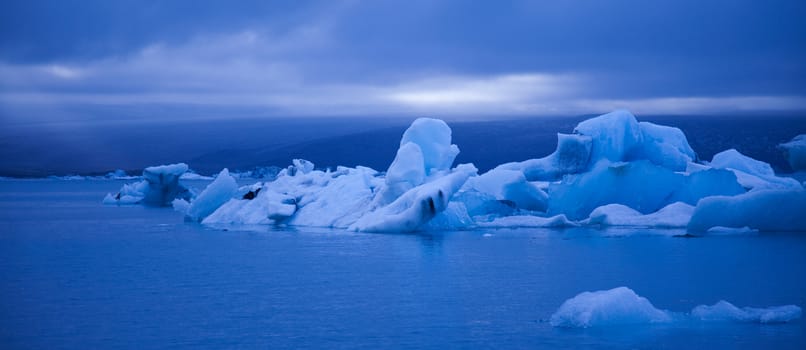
181 205
509 185
616 306
571 157
529 221
620 306
417 206
764 210
215 195
159 187
640 185
614 135
725 311
795 152
433 137
665 146
675 215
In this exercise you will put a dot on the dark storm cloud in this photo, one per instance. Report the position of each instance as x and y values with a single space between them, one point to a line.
442 57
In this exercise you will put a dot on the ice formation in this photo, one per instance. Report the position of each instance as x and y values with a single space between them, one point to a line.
763 210
622 306
751 173
215 195
160 186
725 311
675 215
612 171
795 151
616 306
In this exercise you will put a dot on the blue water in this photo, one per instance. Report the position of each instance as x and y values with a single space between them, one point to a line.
76 274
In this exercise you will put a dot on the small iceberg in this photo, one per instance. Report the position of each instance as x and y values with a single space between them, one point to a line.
622 306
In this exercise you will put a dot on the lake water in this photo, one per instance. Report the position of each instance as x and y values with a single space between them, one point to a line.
76 274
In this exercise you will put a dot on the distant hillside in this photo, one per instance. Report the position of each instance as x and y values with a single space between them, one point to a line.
487 144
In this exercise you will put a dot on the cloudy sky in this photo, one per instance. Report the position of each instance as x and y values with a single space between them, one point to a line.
103 59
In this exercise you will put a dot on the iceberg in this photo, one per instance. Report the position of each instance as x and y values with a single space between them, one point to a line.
613 171
795 152
622 306
414 194
618 306
159 188
763 210
725 311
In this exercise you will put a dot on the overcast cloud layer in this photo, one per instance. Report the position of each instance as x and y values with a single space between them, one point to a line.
442 58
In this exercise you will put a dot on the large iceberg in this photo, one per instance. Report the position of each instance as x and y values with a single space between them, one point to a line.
612 171
622 306
415 192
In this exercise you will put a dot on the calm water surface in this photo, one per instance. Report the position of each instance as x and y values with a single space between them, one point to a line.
76 274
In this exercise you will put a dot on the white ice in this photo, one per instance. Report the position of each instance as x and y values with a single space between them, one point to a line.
752 174
725 311
613 171
618 306
529 221
216 194
622 306
160 186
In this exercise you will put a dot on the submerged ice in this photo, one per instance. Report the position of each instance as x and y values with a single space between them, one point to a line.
611 171
622 306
